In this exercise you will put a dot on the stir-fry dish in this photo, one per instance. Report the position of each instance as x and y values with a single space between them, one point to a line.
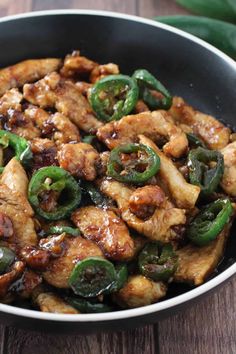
111 189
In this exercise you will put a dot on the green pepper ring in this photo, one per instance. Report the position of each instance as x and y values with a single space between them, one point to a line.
134 176
7 257
57 174
122 107
63 229
202 230
146 82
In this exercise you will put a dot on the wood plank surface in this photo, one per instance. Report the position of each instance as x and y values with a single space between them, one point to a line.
208 327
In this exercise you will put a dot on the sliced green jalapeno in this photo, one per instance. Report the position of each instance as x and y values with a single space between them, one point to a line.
18 144
85 306
113 97
92 276
121 277
200 174
61 182
63 229
127 171
95 195
194 141
6 259
157 261
147 82
211 220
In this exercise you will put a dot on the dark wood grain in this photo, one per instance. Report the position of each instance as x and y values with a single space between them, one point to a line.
207 327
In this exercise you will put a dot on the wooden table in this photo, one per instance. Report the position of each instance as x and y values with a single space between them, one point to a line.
207 328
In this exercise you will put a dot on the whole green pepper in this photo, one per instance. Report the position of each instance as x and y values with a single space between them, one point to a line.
218 33
18 144
92 276
127 172
113 97
211 220
85 306
157 261
200 174
61 182
220 9
7 257
147 82
63 229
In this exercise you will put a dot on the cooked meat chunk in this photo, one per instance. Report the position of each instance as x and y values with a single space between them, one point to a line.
144 201
141 107
37 115
44 153
107 230
6 227
27 284
101 71
79 159
211 131
53 91
49 302
152 124
75 64
8 278
60 268
158 227
184 194
11 100
228 182
195 263
35 258
26 71
64 131
139 291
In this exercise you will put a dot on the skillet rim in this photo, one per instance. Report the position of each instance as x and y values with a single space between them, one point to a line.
165 304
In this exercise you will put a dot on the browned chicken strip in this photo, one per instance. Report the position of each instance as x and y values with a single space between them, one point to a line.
211 131
152 124
11 100
139 291
75 64
228 182
107 230
26 71
79 159
49 302
158 227
195 263
53 91
60 268
184 194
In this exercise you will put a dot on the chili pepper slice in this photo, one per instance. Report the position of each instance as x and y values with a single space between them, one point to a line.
127 172
88 139
147 82
60 181
157 261
7 257
95 195
18 144
121 277
194 140
113 97
86 306
211 220
92 276
200 174
63 229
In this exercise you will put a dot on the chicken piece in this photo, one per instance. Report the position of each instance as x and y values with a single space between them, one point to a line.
184 194
75 64
144 201
6 227
101 71
37 115
158 227
211 131
83 87
44 153
64 131
8 278
139 291
152 124
35 257
27 284
49 302
76 249
79 159
141 107
195 263
15 178
53 91
11 100
26 71
107 230
228 182
16 206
